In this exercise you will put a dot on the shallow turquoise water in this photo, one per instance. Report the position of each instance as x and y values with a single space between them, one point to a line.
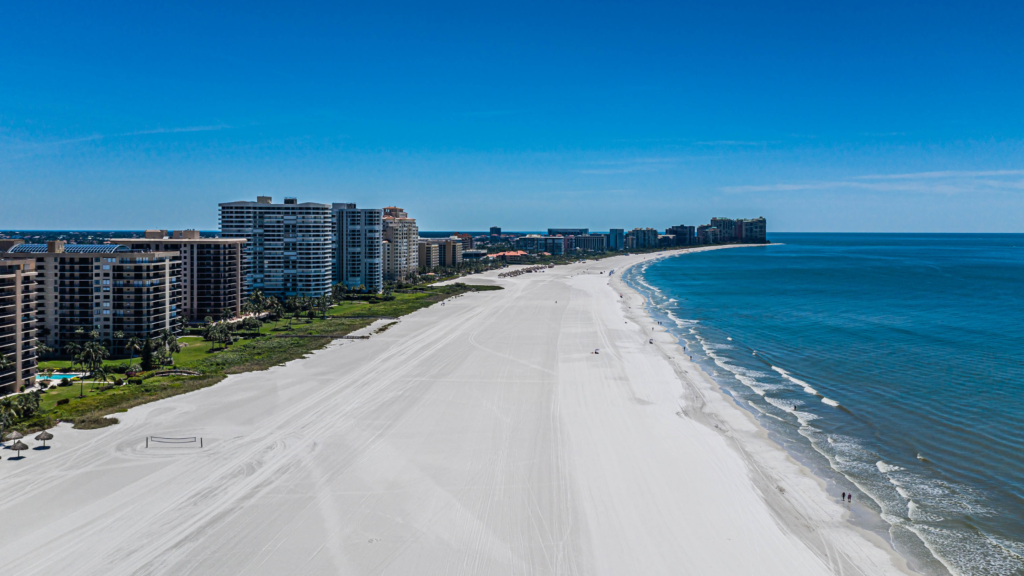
892 364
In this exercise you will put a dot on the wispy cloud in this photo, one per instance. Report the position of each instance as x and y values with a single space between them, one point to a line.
736 142
939 182
943 174
93 137
631 165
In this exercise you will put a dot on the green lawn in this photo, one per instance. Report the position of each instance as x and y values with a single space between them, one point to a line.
48 401
193 348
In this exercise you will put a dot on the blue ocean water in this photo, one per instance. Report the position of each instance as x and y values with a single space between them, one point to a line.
891 364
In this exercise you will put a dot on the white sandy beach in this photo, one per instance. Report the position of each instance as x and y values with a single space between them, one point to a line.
479 437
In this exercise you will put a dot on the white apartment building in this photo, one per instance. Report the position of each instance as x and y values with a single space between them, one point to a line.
289 247
358 252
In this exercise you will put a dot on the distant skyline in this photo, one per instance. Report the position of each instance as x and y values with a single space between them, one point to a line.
873 117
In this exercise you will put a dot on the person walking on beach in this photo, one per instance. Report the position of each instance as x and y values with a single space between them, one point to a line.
850 498
843 497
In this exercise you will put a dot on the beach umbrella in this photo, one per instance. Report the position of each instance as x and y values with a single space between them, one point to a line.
13 436
19 446
44 437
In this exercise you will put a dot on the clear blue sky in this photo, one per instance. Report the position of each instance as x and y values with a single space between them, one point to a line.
862 117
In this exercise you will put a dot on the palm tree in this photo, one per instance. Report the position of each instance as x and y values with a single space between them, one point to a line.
5 363
173 347
338 292
324 304
26 404
93 355
223 335
72 349
133 345
275 308
44 350
166 339
101 375
8 412
257 303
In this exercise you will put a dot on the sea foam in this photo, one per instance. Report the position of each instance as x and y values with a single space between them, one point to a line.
807 387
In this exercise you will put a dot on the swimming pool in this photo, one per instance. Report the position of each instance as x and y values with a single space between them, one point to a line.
58 376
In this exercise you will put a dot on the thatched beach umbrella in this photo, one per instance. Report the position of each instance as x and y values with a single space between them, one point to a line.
44 436
13 436
19 446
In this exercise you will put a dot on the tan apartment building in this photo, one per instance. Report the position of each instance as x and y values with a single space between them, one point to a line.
401 255
449 251
104 287
430 255
212 270
17 323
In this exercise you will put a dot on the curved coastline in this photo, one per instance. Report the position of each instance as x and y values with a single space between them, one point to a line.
799 497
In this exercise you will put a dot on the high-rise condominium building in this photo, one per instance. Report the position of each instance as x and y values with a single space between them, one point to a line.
401 255
358 252
212 270
708 234
640 238
495 230
568 231
467 240
616 239
754 230
430 255
449 251
103 287
556 245
17 323
685 235
727 228
288 247
591 242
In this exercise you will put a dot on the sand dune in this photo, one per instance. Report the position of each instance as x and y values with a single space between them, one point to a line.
479 437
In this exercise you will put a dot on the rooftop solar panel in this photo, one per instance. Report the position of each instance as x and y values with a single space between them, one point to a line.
71 248
28 248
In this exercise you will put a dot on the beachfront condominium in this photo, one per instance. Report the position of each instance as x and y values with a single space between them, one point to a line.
496 231
430 255
535 243
752 231
726 228
616 239
212 270
288 246
591 243
358 251
642 238
449 251
467 240
684 235
708 234
568 231
401 254
107 288
17 324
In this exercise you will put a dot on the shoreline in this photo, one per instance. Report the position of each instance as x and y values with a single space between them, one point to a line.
752 445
